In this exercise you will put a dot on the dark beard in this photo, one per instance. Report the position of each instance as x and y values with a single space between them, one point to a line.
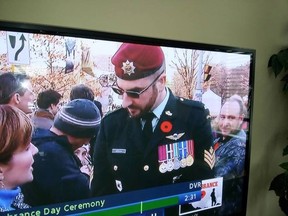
149 105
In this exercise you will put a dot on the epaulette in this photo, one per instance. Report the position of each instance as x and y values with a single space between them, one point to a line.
112 112
195 104
192 103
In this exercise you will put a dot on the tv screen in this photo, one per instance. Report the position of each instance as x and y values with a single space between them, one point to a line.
218 77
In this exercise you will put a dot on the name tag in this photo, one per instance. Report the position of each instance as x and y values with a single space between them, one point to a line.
118 151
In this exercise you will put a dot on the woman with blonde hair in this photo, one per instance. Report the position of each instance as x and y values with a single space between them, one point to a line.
16 156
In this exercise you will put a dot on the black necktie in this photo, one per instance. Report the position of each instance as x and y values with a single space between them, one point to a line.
147 130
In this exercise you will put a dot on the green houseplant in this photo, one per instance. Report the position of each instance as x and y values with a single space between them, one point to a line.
278 63
280 185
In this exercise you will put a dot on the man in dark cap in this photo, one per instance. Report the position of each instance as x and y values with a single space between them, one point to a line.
156 138
56 169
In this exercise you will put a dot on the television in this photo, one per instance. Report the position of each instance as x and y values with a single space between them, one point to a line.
59 58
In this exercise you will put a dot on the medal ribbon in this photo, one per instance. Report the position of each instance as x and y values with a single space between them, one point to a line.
183 149
191 147
176 150
169 152
161 153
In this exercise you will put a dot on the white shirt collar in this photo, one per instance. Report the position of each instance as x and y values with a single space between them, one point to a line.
159 109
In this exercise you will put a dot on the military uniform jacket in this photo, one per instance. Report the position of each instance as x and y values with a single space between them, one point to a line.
122 162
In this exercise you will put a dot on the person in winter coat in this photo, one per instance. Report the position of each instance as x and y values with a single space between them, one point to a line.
57 174
16 157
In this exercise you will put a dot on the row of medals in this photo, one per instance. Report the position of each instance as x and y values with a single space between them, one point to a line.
175 164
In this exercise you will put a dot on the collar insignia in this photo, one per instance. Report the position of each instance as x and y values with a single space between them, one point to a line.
128 67
168 113
175 136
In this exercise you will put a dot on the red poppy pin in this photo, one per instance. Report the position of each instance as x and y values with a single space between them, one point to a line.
216 146
166 126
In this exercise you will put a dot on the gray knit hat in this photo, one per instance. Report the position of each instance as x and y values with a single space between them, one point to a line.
79 118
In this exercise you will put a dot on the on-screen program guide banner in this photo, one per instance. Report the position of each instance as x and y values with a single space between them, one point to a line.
197 193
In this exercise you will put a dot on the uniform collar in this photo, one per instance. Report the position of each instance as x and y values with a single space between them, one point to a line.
159 110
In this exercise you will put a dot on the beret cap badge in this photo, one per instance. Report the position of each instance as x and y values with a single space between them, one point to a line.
128 67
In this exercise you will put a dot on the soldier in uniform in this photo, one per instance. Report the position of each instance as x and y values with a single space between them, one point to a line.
178 147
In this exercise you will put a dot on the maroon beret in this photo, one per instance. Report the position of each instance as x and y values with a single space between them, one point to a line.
136 61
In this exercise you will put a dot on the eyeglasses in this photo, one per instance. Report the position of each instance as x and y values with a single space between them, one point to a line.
134 94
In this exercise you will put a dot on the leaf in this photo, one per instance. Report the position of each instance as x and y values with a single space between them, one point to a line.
285 78
275 64
271 60
285 87
283 57
285 151
279 184
284 165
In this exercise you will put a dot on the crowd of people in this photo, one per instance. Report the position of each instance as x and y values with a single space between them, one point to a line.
154 139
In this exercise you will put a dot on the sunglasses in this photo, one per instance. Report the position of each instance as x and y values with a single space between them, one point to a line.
134 94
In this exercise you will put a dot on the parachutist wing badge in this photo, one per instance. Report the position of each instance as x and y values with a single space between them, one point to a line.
175 136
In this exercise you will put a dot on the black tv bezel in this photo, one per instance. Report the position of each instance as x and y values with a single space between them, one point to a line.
119 37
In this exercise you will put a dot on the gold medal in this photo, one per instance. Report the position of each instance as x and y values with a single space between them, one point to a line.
189 160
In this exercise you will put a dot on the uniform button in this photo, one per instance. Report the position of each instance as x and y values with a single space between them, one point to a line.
115 168
146 168
182 99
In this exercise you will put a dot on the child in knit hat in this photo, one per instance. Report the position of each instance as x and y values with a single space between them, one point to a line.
57 174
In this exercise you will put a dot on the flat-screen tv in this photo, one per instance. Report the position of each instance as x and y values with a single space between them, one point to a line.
59 58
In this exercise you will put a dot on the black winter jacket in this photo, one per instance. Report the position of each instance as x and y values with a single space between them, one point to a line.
56 171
